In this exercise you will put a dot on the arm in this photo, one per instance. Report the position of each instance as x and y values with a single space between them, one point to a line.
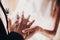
47 33
53 32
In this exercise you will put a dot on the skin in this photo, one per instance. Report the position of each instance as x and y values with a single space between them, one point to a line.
29 32
48 33
20 26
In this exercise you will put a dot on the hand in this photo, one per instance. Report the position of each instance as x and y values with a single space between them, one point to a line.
14 26
20 26
37 28
24 22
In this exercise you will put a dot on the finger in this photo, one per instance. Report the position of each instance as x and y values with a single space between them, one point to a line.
28 17
23 15
9 22
18 17
29 25
25 30
9 25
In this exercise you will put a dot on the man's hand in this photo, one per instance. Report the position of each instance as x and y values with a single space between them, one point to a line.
24 22
20 26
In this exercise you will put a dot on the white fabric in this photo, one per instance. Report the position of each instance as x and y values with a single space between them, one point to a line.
2 16
32 7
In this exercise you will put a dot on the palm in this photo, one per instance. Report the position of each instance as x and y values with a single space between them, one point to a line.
24 24
20 26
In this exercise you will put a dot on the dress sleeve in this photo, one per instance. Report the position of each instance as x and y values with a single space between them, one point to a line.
15 36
